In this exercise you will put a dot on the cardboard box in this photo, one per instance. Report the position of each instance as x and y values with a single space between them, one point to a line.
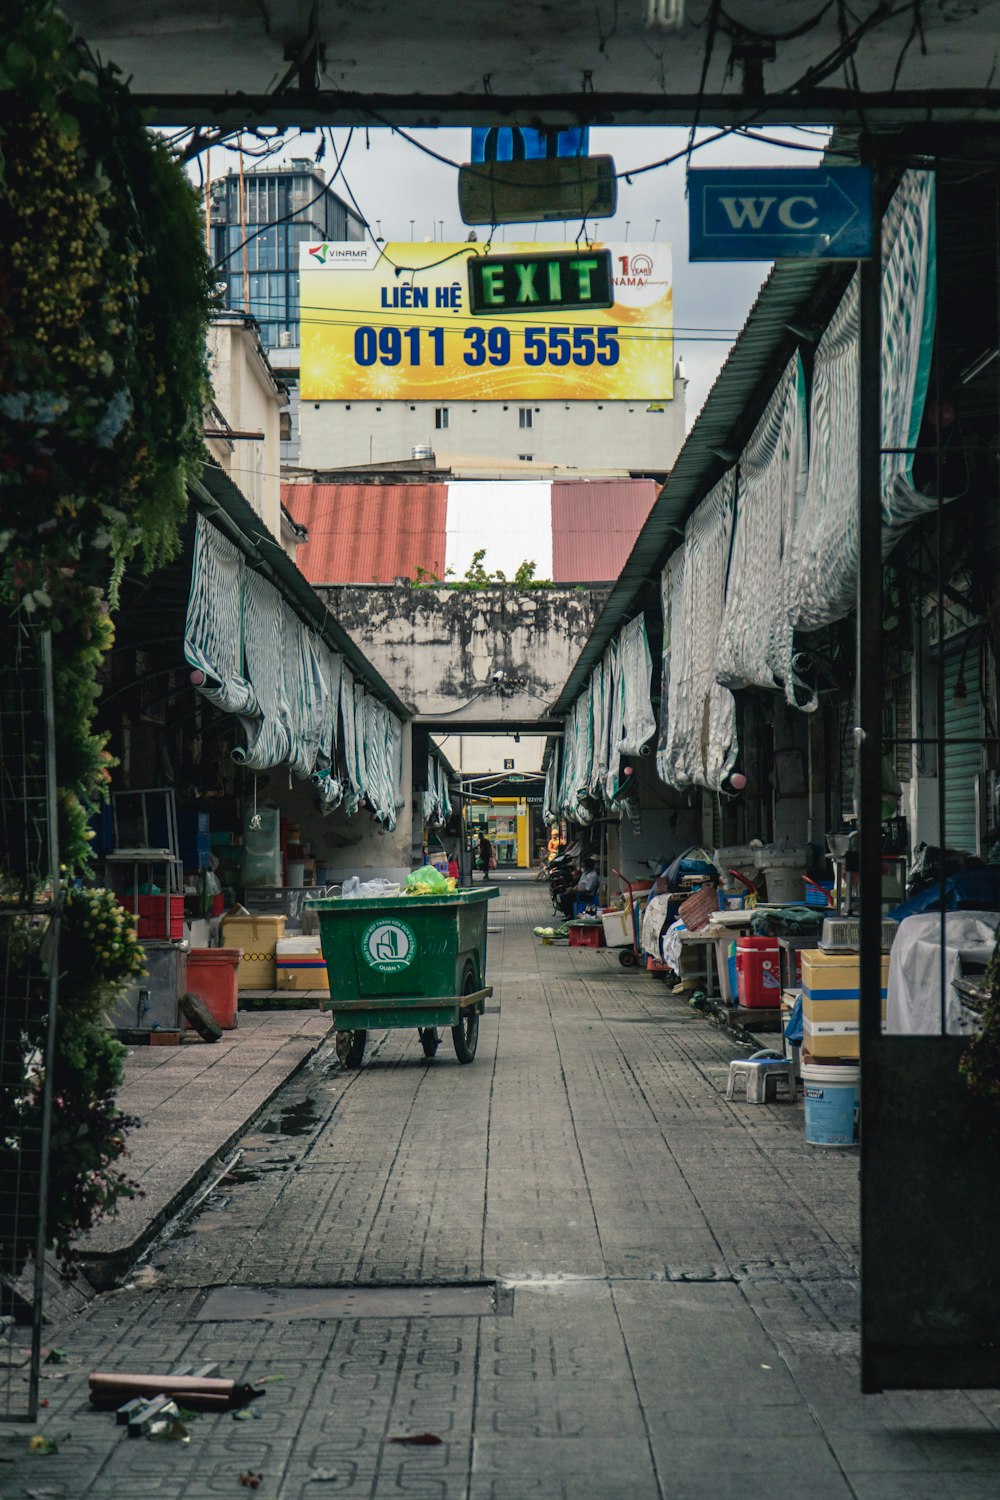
834 976
828 1040
300 965
831 999
258 937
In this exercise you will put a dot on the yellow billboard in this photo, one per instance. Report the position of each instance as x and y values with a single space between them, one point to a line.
392 323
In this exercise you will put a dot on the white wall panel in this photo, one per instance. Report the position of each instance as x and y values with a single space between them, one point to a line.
513 521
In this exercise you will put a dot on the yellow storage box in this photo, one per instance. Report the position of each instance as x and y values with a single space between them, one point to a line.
831 1003
258 937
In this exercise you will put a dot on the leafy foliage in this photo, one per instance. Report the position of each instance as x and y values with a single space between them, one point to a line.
105 295
980 1064
105 290
476 577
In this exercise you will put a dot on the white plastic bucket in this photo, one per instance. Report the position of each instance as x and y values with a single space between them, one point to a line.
617 928
832 1096
296 873
784 884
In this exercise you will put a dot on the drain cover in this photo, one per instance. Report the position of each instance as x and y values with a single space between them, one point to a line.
236 1304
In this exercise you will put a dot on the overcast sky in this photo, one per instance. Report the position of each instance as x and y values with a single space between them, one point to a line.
406 194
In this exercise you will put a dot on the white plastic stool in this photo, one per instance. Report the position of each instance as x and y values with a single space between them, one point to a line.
761 1074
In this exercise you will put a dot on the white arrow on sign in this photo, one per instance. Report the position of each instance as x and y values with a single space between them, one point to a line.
797 212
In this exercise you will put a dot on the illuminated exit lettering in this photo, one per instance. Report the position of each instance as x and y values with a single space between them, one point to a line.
536 283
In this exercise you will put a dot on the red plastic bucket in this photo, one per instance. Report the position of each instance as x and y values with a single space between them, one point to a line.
758 974
211 975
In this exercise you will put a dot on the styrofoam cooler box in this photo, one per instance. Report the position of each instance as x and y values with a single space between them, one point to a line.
258 936
617 928
299 964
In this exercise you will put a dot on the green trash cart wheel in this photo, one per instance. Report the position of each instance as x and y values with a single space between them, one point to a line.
350 1047
430 1039
466 1034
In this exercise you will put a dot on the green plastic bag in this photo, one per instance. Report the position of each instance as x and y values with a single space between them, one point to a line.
427 881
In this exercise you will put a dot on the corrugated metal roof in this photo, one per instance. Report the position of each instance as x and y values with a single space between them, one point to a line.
510 519
574 531
594 526
369 533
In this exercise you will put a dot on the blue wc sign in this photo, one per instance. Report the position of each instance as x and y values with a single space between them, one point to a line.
780 213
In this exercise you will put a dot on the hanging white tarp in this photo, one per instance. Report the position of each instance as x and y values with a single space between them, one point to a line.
699 745
755 642
577 759
269 734
289 690
635 668
213 630
825 545
612 717
324 776
436 798
550 797
632 719
615 722
601 691
672 605
353 791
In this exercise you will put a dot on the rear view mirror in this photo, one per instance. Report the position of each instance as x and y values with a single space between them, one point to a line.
534 192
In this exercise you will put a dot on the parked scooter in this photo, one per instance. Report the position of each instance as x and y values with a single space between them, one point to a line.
561 872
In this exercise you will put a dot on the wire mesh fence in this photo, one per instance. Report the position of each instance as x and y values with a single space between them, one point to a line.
29 930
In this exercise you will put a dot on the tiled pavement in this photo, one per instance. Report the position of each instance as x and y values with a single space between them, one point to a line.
684 1270
194 1102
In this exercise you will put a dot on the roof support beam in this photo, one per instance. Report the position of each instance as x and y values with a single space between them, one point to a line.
306 109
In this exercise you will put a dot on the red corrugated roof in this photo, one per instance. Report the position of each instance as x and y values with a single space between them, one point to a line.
369 533
594 526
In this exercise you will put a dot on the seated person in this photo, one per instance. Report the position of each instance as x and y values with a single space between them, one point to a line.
585 889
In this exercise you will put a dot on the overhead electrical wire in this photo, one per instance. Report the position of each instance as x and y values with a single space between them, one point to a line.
285 218
480 247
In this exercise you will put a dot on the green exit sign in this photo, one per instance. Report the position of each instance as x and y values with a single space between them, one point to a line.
540 283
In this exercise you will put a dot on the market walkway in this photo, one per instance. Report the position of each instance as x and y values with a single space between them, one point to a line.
679 1303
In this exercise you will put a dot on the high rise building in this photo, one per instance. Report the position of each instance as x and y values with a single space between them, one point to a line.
281 207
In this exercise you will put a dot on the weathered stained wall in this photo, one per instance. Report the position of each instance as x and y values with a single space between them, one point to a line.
438 648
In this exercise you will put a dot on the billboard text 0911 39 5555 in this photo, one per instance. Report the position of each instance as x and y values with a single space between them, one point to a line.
393 323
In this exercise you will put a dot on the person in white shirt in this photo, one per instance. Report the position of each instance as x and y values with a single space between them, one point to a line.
585 889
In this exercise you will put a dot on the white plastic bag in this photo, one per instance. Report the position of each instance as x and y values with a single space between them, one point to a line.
356 889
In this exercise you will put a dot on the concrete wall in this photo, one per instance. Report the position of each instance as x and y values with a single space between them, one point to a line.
669 824
438 648
630 435
249 398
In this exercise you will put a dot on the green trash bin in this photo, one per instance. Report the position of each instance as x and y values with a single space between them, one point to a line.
406 961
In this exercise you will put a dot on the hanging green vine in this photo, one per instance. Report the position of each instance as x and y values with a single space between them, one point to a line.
105 295
105 292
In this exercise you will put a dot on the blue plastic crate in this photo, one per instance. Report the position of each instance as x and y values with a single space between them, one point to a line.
820 897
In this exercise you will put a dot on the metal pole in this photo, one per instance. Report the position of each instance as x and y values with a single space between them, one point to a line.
868 719
52 946
208 203
868 697
243 233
